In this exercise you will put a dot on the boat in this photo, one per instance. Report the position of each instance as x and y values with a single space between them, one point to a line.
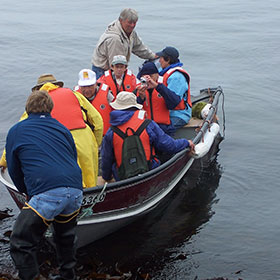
111 206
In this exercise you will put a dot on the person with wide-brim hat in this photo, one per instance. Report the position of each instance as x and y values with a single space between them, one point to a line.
46 78
85 125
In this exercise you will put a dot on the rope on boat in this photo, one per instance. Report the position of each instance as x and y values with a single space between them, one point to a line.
224 115
209 121
88 211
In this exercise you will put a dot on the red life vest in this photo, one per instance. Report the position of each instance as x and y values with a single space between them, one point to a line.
135 121
67 109
128 84
155 107
181 105
100 103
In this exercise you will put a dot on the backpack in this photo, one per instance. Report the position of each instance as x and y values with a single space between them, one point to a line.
134 160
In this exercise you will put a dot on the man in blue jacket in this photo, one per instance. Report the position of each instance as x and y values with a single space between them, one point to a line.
42 162
127 111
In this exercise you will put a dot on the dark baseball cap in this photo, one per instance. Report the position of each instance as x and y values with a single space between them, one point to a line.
148 68
169 51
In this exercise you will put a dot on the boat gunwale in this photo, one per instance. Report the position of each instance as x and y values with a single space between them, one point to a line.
157 171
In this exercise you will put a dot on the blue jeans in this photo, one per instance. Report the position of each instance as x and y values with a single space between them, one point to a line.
62 200
98 71
177 122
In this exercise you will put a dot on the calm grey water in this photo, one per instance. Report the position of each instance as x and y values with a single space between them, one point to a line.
228 224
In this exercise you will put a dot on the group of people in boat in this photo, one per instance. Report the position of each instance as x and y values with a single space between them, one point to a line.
52 153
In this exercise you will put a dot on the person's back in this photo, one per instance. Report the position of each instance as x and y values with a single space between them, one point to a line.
42 150
42 162
73 110
127 115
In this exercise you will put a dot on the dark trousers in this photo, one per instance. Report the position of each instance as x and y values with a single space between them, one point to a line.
27 233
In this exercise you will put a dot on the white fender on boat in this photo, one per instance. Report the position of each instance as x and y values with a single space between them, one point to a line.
204 112
202 148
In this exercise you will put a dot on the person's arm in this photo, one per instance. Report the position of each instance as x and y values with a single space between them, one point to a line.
107 156
3 162
13 162
170 97
114 46
177 83
141 93
140 49
163 142
93 117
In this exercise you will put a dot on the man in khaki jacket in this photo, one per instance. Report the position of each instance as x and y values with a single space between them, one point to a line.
120 38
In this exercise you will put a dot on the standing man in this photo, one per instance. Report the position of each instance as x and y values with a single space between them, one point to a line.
42 162
120 38
119 78
177 80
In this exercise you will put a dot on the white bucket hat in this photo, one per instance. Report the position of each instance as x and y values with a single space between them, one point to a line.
125 100
86 78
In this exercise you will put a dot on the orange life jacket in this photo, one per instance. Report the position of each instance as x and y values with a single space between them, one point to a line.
101 104
155 107
128 84
181 105
135 121
67 109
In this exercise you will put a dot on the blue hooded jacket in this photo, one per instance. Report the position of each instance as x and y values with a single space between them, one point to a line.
177 83
158 139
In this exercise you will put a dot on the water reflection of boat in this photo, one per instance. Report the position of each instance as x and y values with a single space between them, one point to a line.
111 206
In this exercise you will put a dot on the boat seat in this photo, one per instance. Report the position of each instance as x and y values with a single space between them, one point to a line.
194 122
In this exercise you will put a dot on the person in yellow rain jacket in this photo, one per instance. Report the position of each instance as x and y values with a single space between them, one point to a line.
85 123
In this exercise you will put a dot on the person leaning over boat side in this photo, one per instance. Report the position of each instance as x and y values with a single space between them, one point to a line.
119 78
177 80
120 38
157 99
74 111
99 95
127 113
42 162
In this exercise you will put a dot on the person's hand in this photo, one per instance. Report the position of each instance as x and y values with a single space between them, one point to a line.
141 91
191 146
150 82
3 168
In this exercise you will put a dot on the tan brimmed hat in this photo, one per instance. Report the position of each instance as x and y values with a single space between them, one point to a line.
125 100
47 78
